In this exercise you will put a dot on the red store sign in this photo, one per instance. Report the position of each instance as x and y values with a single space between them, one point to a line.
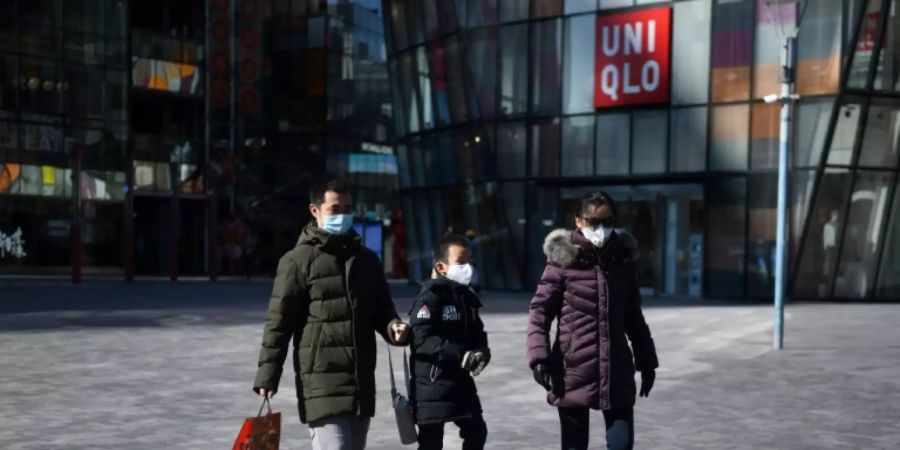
632 58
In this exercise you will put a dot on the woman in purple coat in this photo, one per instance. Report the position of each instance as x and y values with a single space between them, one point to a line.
590 287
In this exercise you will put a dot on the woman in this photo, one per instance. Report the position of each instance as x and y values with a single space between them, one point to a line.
590 286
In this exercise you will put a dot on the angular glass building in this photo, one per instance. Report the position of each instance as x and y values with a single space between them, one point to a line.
507 111
172 138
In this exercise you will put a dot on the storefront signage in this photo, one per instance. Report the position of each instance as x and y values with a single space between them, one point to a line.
12 245
632 58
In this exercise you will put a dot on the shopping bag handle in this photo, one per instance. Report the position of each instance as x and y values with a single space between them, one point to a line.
405 372
264 404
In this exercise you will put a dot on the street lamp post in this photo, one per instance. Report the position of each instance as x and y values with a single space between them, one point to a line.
787 99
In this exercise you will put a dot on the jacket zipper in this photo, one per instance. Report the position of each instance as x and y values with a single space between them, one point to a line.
346 276
608 337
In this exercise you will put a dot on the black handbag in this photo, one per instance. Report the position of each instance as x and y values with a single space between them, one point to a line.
403 410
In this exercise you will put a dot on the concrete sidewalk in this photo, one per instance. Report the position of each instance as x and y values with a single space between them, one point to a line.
156 365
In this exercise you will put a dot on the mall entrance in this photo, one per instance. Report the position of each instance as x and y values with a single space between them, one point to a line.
667 220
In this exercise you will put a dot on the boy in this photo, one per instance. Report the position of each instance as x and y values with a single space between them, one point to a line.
450 347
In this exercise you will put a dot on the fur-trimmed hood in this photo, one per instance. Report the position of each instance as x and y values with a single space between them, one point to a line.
561 250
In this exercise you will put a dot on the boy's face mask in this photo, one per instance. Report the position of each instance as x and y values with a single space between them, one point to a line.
460 273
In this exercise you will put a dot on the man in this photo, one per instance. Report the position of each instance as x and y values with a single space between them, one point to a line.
329 294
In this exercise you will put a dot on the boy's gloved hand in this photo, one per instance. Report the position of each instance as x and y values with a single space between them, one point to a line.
542 375
476 360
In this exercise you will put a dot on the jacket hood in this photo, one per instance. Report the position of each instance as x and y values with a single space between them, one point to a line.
562 246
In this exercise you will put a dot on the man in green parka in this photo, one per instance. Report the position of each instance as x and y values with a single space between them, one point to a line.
330 295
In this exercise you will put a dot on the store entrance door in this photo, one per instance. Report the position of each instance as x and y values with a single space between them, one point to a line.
667 221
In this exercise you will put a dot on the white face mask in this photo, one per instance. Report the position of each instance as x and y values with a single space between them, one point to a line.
596 234
460 273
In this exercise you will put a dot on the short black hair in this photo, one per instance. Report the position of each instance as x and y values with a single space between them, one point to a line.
595 201
325 184
442 247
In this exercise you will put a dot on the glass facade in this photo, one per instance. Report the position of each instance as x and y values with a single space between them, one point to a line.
695 175
168 138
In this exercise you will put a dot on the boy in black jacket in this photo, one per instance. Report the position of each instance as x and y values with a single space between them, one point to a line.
450 347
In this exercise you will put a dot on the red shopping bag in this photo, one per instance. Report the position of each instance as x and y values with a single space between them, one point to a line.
262 432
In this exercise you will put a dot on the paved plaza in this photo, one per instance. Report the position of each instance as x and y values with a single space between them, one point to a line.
161 366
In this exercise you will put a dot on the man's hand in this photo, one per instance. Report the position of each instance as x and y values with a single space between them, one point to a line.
401 332
542 376
263 392
647 379
475 361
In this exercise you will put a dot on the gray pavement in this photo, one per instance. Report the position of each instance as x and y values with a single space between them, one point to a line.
155 365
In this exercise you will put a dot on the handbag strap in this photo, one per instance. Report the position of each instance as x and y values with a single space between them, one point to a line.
391 366
264 404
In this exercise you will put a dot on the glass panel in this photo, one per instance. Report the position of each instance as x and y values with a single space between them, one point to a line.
398 24
889 273
763 202
650 137
83 15
577 6
880 141
481 13
726 243
545 148
512 197
613 144
415 32
578 85
431 19
403 165
688 150
8 85
855 276
416 163
819 48
43 88
610 4
729 137
802 183
453 66
513 70
546 8
447 18
439 85
844 135
731 54
511 151
690 52
424 85
85 95
578 146
410 99
482 55
887 75
764 134
812 118
543 217
513 10
772 23
865 46
817 263
546 67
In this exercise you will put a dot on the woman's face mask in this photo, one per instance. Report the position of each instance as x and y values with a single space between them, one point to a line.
596 234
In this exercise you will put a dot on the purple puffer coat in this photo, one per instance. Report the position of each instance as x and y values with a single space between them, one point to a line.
594 294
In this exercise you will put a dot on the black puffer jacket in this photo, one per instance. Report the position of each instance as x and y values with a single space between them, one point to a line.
446 325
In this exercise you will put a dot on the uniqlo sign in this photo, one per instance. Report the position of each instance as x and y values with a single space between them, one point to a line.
632 61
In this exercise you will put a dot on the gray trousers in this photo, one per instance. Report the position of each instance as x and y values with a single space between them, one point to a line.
339 433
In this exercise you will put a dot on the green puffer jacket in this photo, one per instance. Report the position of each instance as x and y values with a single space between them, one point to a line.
334 342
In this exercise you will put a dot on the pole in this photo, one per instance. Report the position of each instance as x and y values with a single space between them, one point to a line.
787 98
77 238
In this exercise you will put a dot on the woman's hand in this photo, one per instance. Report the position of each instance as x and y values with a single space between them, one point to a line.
542 376
648 377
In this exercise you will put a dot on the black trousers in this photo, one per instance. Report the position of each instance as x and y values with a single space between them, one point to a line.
575 428
473 432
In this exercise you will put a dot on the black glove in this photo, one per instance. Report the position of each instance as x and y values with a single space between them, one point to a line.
542 376
647 379
475 361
